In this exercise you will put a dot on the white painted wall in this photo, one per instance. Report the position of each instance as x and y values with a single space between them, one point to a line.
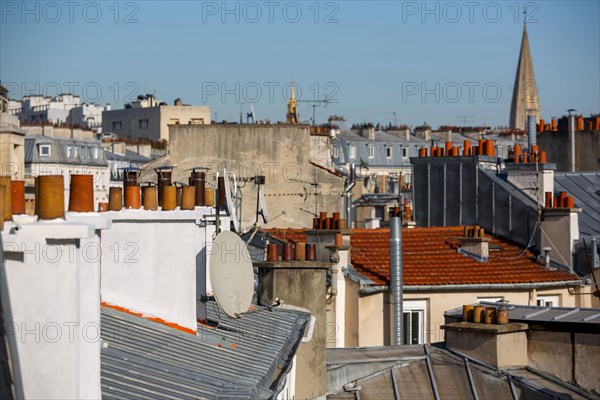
150 261
53 295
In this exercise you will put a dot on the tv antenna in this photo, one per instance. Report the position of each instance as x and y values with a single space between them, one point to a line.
465 118
231 274
314 104
395 117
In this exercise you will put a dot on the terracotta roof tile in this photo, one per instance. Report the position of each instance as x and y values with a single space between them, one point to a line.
430 257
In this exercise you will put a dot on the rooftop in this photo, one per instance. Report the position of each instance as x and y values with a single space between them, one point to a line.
241 358
430 257
427 372
585 189
528 314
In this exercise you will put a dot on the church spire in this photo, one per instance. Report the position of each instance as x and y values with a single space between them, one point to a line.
525 99
292 112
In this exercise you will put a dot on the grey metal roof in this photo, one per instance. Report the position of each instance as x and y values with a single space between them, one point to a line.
58 151
585 189
383 140
129 156
520 313
242 358
427 372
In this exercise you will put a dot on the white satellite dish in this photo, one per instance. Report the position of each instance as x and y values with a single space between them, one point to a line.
231 274
263 206
230 203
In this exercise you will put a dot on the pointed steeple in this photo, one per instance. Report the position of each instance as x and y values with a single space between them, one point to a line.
525 99
292 113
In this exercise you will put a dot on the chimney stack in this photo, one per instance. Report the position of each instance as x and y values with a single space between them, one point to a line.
474 244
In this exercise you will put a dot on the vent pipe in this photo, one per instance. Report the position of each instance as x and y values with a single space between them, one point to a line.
396 279
572 140
531 132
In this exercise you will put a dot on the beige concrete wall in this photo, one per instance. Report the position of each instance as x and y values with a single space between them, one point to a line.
185 114
279 152
587 367
550 352
501 350
351 314
571 357
371 320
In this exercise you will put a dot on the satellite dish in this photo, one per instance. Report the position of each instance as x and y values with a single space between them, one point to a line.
230 203
231 274
263 206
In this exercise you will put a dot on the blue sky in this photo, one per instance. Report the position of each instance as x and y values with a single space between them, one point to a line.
426 61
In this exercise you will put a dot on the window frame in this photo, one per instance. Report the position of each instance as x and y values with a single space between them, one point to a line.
420 307
42 147
371 151
552 298
388 151
143 123
351 151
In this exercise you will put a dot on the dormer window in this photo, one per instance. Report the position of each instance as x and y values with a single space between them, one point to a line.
69 151
352 151
371 151
388 152
336 152
44 150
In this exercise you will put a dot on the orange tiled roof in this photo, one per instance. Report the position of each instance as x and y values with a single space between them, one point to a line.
430 257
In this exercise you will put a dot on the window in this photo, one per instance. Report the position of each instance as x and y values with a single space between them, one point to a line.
143 123
414 321
352 151
490 299
371 151
69 151
44 150
336 152
117 125
404 152
197 121
388 152
95 153
548 301
75 151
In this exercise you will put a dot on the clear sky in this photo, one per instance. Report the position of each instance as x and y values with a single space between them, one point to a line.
439 62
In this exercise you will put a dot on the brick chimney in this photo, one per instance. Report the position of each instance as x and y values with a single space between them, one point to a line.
474 244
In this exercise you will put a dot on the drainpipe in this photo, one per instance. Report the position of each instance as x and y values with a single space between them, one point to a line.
572 139
350 182
396 280
531 132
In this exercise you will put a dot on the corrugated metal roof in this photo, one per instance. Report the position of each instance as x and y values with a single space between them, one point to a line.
520 313
242 358
585 189
58 151
421 372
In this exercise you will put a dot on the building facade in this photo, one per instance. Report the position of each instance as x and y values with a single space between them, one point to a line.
37 109
148 118
46 155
